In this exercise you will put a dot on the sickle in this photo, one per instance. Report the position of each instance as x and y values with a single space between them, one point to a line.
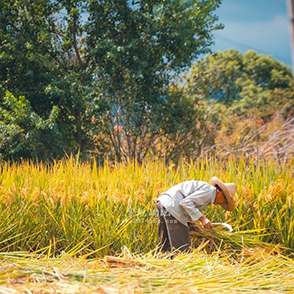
225 225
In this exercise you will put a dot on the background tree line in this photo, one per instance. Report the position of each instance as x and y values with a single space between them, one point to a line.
249 99
102 78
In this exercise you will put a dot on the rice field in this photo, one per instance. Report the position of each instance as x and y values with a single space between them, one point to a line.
73 226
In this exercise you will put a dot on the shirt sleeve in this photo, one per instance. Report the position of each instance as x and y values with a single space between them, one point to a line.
190 203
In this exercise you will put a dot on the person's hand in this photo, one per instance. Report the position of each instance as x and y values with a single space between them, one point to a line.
206 223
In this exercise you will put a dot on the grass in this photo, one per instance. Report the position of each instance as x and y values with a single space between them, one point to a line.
63 226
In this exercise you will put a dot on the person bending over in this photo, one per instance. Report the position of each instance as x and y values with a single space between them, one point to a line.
187 200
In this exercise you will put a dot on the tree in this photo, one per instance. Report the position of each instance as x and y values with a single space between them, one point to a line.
222 76
40 44
232 82
216 77
246 96
24 134
28 57
136 48
111 60
188 134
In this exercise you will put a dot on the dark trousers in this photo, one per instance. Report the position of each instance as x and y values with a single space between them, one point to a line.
172 233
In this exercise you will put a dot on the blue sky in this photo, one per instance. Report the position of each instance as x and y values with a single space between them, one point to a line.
260 25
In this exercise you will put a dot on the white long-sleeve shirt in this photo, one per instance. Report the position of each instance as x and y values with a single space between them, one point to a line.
188 199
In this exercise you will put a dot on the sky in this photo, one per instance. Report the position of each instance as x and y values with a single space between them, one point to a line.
259 25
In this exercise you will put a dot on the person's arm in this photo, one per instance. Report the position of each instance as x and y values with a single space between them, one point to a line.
190 205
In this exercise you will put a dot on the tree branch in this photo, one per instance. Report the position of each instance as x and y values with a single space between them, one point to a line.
74 42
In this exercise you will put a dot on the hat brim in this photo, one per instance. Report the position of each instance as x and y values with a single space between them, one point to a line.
229 204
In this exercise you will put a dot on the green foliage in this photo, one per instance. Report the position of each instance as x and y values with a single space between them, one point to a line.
265 71
37 42
24 134
107 67
28 57
244 80
216 76
187 132
111 60
135 49
249 99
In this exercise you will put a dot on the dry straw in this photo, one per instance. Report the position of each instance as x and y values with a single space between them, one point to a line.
197 272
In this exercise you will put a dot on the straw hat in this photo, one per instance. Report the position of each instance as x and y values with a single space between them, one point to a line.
229 190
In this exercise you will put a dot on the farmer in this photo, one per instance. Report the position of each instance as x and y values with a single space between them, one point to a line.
187 200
